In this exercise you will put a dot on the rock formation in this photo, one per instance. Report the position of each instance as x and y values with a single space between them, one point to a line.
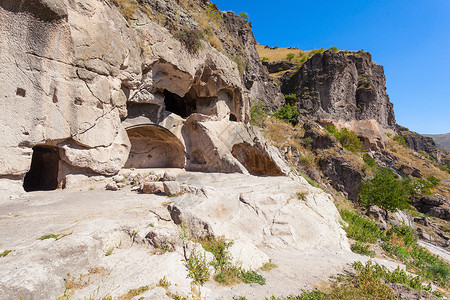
420 142
91 87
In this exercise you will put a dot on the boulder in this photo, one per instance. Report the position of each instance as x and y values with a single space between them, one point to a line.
436 200
169 176
171 188
112 186
439 212
151 187
410 170
320 139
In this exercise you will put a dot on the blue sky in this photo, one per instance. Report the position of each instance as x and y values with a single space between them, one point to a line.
411 39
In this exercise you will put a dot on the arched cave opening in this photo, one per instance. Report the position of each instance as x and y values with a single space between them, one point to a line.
182 106
256 162
43 173
153 146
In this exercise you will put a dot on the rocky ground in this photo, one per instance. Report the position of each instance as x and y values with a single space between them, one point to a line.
97 243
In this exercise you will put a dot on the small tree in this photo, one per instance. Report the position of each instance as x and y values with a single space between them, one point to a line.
244 16
384 190
288 113
290 56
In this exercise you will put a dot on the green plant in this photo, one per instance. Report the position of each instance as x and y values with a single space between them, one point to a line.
290 56
268 266
251 277
301 195
258 115
244 16
54 236
163 282
369 161
334 49
134 292
435 181
362 249
219 248
190 38
197 267
264 59
384 190
360 228
365 82
401 140
290 99
424 154
288 113
6 252
348 139
213 12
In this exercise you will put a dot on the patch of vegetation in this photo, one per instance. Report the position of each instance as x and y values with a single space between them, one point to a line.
291 99
362 249
360 228
268 266
334 49
423 153
258 114
348 139
213 11
6 252
134 292
369 161
164 283
190 38
53 236
288 113
264 59
290 56
401 140
365 82
240 65
244 16
251 277
384 190
127 7
434 181
197 267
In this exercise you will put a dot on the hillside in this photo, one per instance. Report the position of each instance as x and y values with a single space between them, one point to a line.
441 140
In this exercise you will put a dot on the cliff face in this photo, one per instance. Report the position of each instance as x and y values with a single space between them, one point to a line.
89 86
341 86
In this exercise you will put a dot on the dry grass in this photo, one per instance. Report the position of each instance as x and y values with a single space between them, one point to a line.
127 7
280 53
425 165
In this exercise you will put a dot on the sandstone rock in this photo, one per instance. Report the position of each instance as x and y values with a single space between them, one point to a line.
150 187
112 186
410 170
171 188
247 256
169 176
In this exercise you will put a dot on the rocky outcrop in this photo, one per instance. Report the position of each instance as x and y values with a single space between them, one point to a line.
436 206
278 66
83 99
441 140
419 142
257 80
341 86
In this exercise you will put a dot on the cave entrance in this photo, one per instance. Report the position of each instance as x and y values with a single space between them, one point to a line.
43 173
153 146
255 161
182 106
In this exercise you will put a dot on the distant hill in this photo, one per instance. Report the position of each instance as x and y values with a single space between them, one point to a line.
441 140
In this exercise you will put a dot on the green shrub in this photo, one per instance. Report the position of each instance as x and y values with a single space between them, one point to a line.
434 181
190 38
365 82
362 249
384 190
360 228
290 56
264 59
6 252
197 267
369 161
251 277
244 15
401 140
290 99
287 113
334 49
258 115
348 139
213 12
219 248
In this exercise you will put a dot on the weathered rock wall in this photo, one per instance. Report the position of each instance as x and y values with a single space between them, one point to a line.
78 74
419 142
341 86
